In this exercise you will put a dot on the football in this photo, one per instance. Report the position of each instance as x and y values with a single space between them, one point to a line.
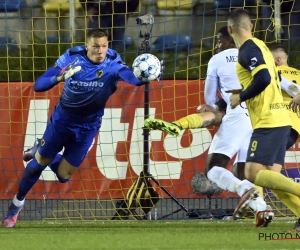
146 67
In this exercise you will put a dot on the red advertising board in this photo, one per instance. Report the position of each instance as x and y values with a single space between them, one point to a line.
116 156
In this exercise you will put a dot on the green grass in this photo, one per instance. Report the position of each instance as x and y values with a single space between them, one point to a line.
196 234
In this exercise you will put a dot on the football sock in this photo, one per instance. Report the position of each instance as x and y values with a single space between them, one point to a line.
31 174
190 121
226 180
243 186
258 204
290 200
276 181
17 202
223 178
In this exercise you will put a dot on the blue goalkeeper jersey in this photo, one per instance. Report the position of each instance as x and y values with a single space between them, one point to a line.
87 91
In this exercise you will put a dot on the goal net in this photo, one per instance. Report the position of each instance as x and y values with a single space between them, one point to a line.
33 34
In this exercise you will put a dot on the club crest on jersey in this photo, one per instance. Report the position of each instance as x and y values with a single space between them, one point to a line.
43 142
253 63
99 73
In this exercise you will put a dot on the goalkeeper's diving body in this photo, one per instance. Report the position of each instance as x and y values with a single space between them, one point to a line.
90 74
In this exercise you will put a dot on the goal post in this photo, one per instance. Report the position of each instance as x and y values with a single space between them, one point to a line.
32 38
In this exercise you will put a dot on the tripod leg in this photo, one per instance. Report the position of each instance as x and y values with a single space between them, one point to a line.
171 196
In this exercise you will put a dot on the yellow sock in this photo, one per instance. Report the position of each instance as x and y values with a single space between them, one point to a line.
273 180
290 200
190 121
261 191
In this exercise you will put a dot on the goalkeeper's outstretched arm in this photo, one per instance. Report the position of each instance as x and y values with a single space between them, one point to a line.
127 75
47 81
54 75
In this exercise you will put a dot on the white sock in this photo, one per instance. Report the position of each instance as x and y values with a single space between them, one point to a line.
223 178
258 204
18 203
243 187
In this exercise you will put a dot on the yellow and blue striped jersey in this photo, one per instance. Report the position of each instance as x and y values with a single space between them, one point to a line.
266 110
292 75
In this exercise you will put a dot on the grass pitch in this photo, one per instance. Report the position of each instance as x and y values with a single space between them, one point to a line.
188 234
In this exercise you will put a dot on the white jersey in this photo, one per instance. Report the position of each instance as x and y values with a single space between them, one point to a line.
221 76
235 131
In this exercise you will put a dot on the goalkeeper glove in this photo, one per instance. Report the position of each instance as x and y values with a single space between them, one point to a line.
68 71
162 68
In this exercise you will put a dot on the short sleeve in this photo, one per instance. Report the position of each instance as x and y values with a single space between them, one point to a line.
251 57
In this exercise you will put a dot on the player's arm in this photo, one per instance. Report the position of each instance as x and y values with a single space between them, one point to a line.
212 100
211 92
251 58
295 103
127 75
289 87
211 84
221 107
54 75
47 81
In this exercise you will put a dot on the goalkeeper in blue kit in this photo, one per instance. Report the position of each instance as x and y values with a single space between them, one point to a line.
90 74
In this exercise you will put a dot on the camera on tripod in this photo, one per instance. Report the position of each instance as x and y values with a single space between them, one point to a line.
145 19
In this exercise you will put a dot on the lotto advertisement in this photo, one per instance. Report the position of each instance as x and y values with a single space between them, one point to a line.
116 156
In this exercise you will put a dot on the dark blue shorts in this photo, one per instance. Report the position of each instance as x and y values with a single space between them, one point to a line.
74 134
268 145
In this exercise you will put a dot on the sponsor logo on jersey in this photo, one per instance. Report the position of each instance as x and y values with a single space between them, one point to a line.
278 105
253 63
230 59
99 73
86 85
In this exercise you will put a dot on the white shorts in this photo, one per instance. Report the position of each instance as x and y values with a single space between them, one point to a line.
233 136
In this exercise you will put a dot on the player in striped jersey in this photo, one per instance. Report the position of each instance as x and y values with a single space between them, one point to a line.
271 122
280 54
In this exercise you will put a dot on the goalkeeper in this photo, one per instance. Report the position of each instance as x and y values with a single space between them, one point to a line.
90 74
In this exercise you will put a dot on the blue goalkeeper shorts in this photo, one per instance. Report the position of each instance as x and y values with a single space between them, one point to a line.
74 134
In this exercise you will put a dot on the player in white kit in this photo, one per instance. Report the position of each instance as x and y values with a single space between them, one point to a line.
235 130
